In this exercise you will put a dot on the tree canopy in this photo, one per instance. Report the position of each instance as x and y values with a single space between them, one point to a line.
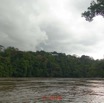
96 8
16 63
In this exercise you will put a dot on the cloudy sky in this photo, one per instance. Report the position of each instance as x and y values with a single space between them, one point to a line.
51 25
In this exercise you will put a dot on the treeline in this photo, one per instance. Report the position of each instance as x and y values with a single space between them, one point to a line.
16 63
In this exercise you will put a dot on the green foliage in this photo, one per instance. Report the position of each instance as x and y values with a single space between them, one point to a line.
96 8
16 63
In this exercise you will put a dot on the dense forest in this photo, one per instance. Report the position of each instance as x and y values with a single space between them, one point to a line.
16 63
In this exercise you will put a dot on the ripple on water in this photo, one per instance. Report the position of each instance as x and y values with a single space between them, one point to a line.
32 90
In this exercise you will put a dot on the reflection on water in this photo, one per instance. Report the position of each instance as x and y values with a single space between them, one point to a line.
51 90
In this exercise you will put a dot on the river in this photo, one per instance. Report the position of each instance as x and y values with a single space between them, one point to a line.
51 90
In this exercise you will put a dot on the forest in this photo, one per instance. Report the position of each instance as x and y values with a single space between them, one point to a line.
17 63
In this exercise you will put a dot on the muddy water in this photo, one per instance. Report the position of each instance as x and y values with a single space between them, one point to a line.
51 90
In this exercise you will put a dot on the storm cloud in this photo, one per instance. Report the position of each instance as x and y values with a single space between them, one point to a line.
51 25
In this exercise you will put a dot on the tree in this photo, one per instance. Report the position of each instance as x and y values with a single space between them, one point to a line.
1 48
96 8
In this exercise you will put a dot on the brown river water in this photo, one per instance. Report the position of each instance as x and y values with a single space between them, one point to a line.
51 90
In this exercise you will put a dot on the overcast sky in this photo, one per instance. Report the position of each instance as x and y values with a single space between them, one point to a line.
51 25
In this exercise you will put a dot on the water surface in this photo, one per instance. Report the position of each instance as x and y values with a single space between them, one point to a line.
51 90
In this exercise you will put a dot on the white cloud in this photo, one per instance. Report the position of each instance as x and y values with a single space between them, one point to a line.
19 25
51 25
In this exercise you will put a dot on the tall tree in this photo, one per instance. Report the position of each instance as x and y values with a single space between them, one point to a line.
96 8
1 48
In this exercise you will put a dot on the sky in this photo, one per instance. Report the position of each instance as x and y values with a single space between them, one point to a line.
51 25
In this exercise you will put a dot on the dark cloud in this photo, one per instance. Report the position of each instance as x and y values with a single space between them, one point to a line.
50 25
18 25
